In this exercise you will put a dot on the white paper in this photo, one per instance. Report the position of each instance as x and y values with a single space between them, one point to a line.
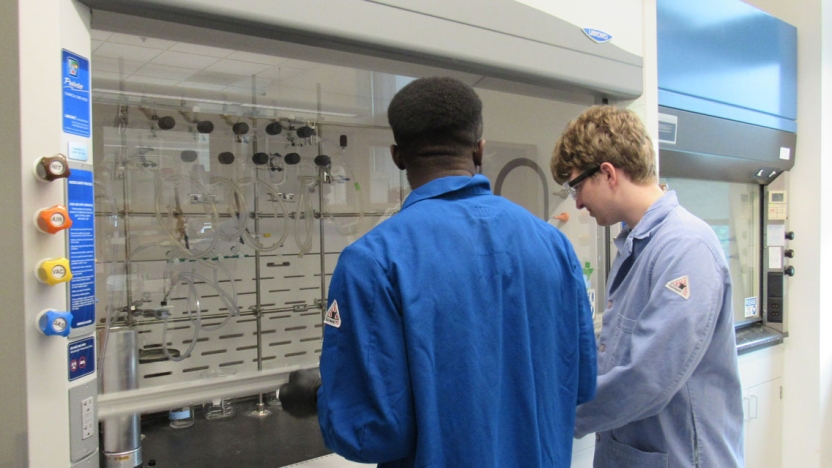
77 151
775 258
776 235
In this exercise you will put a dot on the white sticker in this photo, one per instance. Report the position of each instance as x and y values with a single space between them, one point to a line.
750 306
776 235
680 286
668 124
775 258
785 153
590 294
77 151
333 315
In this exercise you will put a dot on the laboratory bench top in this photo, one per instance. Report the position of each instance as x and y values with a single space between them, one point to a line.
279 440
276 440
754 336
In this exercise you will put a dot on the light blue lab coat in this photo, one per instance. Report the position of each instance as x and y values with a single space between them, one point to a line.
668 387
463 337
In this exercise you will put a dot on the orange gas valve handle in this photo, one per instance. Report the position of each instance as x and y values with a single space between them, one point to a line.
52 271
53 219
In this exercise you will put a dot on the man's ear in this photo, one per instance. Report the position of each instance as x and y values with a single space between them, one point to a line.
397 157
479 150
610 173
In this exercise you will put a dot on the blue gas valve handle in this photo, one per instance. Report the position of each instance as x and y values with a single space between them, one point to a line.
54 323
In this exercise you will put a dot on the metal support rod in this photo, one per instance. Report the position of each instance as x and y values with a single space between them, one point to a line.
321 225
257 292
125 192
260 410
302 307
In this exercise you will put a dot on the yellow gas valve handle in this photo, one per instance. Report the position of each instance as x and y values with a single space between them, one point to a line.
53 271
53 219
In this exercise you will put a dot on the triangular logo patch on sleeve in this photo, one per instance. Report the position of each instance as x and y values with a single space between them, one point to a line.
333 316
680 286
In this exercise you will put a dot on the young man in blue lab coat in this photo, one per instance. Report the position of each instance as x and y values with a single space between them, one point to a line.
458 332
668 387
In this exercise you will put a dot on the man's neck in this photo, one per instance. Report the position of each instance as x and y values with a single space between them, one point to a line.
421 175
639 199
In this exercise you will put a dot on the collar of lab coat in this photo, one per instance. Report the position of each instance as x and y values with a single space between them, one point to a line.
651 219
476 185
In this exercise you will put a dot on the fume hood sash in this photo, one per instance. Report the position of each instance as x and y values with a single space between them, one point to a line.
545 52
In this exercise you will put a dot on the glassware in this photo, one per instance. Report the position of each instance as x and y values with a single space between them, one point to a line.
181 418
273 400
218 408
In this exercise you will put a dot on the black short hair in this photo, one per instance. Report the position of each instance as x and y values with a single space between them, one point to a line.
435 116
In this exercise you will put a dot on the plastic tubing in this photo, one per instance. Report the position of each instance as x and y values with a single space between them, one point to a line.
277 202
190 278
241 211
230 301
283 179
305 204
285 166
389 212
187 253
350 228
197 325
233 311
109 269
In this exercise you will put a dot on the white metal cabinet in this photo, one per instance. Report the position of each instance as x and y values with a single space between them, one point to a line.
763 423
761 375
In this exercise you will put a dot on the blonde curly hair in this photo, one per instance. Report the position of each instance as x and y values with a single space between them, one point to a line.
605 134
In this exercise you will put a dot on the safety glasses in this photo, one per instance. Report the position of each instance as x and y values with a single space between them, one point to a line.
571 186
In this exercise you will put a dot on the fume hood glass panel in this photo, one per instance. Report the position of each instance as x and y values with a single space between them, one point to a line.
218 232
733 211
211 207
520 133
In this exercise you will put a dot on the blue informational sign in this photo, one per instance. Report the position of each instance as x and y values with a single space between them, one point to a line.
80 198
750 306
75 82
81 358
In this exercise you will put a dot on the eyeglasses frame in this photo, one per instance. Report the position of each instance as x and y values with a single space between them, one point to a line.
571 185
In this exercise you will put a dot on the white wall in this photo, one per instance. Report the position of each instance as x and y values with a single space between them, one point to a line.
807 419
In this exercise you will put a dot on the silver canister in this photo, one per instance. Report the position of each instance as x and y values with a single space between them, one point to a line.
122 434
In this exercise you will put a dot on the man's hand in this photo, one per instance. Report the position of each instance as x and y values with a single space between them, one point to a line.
299 396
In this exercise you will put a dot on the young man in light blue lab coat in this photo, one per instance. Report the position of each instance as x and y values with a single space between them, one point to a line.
668 386
458 332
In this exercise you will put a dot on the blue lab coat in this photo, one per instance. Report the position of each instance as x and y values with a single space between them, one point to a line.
668 386
462 337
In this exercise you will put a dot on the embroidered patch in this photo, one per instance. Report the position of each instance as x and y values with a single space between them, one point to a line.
333 316
680 286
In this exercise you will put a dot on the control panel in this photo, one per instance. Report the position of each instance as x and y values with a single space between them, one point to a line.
776 255
70 220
